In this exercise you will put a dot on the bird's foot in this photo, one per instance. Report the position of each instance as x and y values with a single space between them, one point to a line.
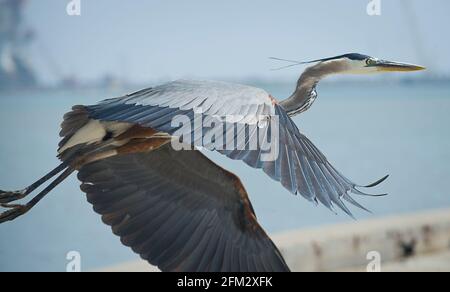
14 212
8 197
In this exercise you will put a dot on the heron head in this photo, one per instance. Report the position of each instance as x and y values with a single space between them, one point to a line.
362 64
353 64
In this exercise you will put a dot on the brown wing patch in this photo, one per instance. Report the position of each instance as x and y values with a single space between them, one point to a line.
142 145
137 131
247 219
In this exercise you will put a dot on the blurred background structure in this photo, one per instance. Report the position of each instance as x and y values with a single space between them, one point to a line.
15 70
114 42
393 124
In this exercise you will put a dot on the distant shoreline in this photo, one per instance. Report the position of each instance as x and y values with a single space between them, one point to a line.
249 81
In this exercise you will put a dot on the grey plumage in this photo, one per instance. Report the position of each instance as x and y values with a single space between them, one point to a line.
177 209
301 168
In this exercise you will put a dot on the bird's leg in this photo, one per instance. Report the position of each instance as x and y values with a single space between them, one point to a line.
8 197
14 212
19 210
134 146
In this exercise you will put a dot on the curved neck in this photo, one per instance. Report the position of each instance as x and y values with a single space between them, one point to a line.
305 93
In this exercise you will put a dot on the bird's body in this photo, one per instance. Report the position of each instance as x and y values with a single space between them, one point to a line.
178 209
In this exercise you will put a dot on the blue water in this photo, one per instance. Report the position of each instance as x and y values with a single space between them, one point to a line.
366 131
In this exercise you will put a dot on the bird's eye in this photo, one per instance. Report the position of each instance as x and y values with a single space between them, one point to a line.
370 62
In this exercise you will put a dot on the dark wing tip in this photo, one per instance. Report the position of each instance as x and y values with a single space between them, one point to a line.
378 182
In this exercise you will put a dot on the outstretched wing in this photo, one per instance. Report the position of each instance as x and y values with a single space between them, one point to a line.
303 169
300 166
211 98
180 212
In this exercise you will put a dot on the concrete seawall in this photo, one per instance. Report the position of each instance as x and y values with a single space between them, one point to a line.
414 242
347 246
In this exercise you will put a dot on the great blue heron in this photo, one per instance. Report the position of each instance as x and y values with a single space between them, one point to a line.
177 209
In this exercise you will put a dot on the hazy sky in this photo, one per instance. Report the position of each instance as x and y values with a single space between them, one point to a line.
160 39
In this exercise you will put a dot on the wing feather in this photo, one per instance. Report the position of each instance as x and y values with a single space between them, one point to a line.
300 166
180 212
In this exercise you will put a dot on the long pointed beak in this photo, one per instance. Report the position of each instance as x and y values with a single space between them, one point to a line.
387 66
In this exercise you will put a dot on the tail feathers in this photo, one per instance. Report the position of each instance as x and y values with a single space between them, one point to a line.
73 121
